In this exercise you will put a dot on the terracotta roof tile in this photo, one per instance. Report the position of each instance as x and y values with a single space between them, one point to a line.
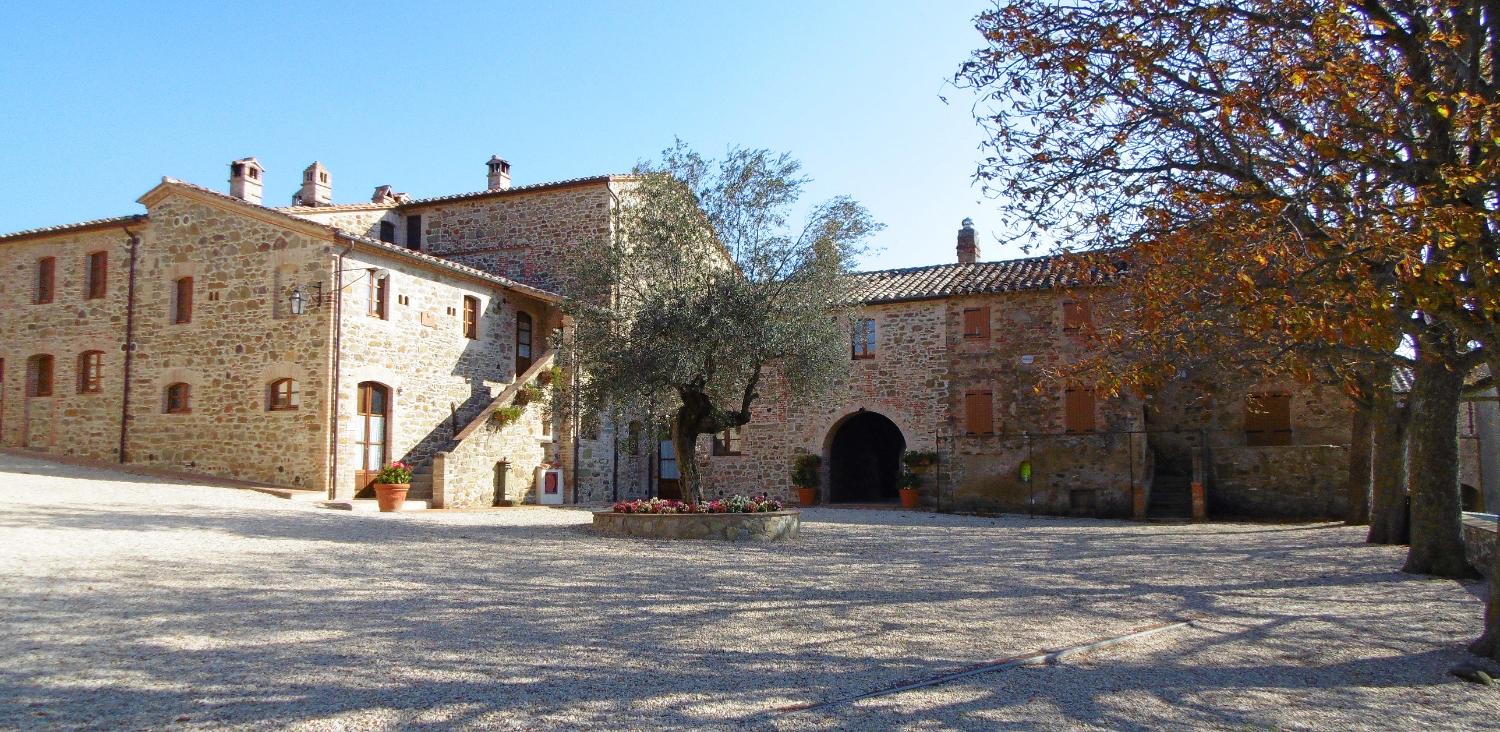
513 189
95 223
948 280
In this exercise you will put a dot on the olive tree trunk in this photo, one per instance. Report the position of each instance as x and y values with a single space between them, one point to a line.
1437 546
697 415
1389 416
1361 456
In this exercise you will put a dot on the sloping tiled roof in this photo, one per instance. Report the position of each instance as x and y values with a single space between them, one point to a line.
513 189
399 251
335 208
946 280
95 223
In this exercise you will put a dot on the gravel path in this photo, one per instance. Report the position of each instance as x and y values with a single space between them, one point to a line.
134 602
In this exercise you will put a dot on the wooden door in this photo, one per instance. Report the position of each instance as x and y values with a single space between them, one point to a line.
667 483
371 433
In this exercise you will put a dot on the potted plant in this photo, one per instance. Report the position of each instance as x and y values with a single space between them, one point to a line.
391 485
805 477
919 461
909 482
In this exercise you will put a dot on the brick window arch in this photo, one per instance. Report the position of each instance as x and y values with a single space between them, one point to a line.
90 366
39 375
179 398
282 395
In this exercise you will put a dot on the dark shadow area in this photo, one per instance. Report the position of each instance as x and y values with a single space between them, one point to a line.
865 459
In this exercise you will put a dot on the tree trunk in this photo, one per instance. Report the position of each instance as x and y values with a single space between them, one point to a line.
685 448
1489 643
1361 455
1388 518
1437 545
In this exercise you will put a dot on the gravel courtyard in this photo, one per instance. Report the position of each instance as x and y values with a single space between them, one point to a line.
134 602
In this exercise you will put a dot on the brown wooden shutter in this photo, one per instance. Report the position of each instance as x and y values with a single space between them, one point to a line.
98 274
1268 419
1077 316
184 300
1078 410
979 415
471 317
46 270
977 322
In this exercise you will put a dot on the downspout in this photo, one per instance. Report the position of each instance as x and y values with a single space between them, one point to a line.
129 345
614 461
333 400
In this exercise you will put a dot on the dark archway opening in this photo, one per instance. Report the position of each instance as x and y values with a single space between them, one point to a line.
865 459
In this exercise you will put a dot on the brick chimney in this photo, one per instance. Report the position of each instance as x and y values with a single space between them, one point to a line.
499 173
245 181
317 187
968 251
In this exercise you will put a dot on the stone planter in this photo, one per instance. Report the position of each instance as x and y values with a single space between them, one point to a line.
768 526
807 496
910 497
390 496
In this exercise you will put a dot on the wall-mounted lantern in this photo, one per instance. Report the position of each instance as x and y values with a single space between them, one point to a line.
298 301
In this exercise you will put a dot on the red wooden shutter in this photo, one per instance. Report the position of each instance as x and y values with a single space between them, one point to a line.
46 269
1268 419
98 274
1078 410
471 317
1077 316
977 322
979 417
184 300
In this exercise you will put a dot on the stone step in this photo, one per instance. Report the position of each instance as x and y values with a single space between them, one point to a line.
293 494
370 505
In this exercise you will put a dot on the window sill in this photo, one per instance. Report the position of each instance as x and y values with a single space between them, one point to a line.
870 357
178 411
281 409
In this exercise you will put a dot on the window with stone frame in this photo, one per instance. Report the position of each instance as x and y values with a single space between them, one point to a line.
727 442
39 375
471 317
1077 317
90 366
979 413
178 399
977 323
98 276
379 295
282 396
1268 419
864 339
1078 410
182 300
46 280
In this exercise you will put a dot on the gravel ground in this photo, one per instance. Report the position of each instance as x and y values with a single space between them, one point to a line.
135 602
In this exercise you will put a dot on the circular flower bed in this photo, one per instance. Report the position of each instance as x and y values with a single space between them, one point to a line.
736 518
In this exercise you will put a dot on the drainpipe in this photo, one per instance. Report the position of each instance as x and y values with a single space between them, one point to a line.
135 244
614 461
333 402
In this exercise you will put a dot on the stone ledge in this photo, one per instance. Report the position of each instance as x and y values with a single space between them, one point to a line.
766 526
1479 541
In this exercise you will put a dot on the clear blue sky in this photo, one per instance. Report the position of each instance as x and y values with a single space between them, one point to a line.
105 98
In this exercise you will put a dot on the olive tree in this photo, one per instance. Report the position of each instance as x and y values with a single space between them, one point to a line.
707 290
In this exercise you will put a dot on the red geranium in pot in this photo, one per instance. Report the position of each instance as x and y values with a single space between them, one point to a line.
391 485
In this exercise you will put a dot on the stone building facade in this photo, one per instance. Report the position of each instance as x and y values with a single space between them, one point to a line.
306 345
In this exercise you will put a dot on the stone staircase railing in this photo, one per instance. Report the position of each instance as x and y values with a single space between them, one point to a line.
486 458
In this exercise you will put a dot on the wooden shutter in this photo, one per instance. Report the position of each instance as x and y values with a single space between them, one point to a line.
979 415
184 297
977 322
46 270
1078 410
1077 317
98 274
471 317
1268 419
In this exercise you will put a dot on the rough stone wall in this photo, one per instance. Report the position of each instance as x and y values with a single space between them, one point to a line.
1479 542
364 223
68 422
499 460
241 338
1215 403
520 235
1072 475
1289 481
421 354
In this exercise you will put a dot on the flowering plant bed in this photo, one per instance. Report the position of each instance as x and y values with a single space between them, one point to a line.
732 504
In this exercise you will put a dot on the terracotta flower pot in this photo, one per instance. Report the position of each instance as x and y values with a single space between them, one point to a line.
909 497
390 496
807 496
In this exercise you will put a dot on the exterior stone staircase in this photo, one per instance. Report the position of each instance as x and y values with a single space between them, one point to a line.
1171 490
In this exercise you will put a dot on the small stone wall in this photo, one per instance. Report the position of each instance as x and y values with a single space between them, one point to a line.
769 526
1290 481
1479 542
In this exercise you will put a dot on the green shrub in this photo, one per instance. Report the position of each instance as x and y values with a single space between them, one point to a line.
805 471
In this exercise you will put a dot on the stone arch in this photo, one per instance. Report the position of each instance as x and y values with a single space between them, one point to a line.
863 453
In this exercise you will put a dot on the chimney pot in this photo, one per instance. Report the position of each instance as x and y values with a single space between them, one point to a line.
245 179
968 250
317 187
499 173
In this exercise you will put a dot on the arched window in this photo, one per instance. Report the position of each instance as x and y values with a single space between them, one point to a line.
179 399
90 364
282 395
39 375
523 342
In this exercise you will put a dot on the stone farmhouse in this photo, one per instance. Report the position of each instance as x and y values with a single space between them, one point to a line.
305 346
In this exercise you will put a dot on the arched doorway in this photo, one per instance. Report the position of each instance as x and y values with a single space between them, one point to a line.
864 459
